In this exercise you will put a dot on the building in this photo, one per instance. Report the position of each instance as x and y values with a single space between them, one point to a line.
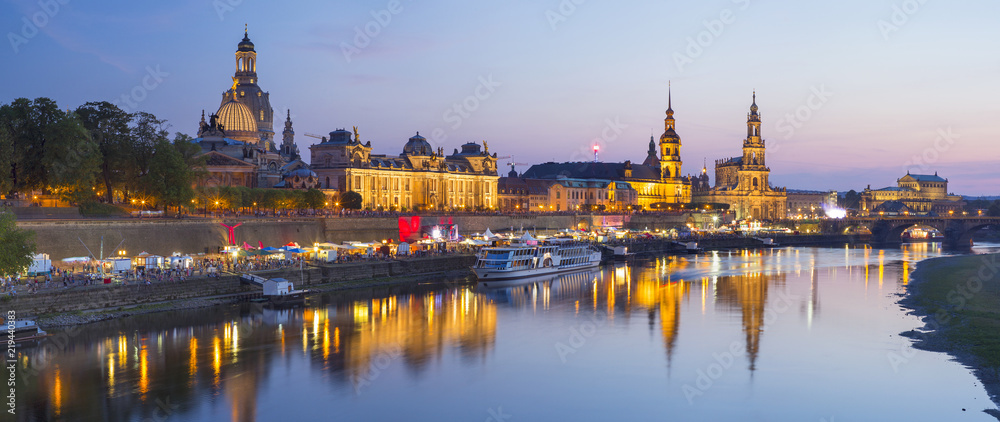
657 182
238 139
418 178
810 203
547 195
743 182
920 193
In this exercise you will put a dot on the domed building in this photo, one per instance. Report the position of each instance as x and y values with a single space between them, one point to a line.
239 136
238 122
419 178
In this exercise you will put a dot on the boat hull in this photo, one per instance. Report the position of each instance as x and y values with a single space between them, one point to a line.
488 274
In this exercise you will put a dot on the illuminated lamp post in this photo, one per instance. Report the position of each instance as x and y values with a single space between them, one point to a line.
596 149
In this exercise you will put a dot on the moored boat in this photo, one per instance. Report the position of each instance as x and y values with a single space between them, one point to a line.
530 258
24 330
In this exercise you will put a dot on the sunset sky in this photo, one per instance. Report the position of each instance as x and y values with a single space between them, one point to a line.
851 93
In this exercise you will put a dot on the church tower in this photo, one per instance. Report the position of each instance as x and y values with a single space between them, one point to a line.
754 171
246 91
670 145
288 148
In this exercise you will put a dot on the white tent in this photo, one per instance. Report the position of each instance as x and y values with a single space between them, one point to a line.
488 234
527 237
403 248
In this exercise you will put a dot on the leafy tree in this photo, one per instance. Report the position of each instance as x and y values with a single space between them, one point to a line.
109 127
71 159
994 210
351 200
851 200
28 124
16 245
6 154
169 178
191 153
314 199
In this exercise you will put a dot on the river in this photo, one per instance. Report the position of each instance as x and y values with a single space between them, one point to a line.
803 334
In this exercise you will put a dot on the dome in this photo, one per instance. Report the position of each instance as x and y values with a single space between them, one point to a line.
670 136
235 116
302 173
417 145
340 136
245 44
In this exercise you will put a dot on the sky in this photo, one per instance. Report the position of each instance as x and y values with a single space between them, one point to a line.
851 93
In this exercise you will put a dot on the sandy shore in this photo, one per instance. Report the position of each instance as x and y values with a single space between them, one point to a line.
958 299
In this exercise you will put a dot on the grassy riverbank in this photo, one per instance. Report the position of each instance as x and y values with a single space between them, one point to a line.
959 300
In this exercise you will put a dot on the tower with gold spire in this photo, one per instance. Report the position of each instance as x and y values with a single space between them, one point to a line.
670 145
744 182
246 91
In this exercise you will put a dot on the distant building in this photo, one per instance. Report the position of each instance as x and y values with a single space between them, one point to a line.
547 195
657 181
920 193
810 203
241 130
418 178
742 182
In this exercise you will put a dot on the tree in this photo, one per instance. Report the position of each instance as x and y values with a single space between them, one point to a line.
994 210
169 178
29 125
850 200
314 199
16 245
6 154
71 159
351 200
109 128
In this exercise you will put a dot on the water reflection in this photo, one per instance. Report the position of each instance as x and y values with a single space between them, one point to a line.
190 363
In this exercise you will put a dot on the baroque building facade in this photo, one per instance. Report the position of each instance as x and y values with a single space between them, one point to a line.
657 182
743 182
238 139
919 193
419 178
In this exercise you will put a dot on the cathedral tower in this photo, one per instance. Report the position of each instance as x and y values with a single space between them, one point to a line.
754 166
670 145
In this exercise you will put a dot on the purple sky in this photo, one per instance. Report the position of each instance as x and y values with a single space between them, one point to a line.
908 85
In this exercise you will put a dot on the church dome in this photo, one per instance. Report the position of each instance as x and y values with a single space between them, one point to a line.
417 145
235 116
670 136
245 44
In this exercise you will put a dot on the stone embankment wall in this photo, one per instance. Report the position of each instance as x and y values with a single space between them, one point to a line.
68 238
103 297
99 297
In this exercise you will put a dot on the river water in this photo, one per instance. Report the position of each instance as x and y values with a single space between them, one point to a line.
797 334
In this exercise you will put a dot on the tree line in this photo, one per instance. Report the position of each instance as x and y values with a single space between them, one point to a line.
97 152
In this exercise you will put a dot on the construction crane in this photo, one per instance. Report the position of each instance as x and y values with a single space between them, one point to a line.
313 135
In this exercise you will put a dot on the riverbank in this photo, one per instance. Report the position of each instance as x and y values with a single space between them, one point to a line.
958 298
87 304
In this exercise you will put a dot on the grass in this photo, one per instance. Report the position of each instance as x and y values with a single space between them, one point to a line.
954 294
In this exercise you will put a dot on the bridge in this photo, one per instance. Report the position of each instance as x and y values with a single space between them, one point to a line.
887 230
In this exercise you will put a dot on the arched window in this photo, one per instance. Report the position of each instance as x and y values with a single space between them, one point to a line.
755 183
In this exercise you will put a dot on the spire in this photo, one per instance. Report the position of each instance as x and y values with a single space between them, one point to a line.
669 107
203 115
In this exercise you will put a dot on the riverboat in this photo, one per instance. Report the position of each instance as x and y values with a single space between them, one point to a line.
24 330
530 258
